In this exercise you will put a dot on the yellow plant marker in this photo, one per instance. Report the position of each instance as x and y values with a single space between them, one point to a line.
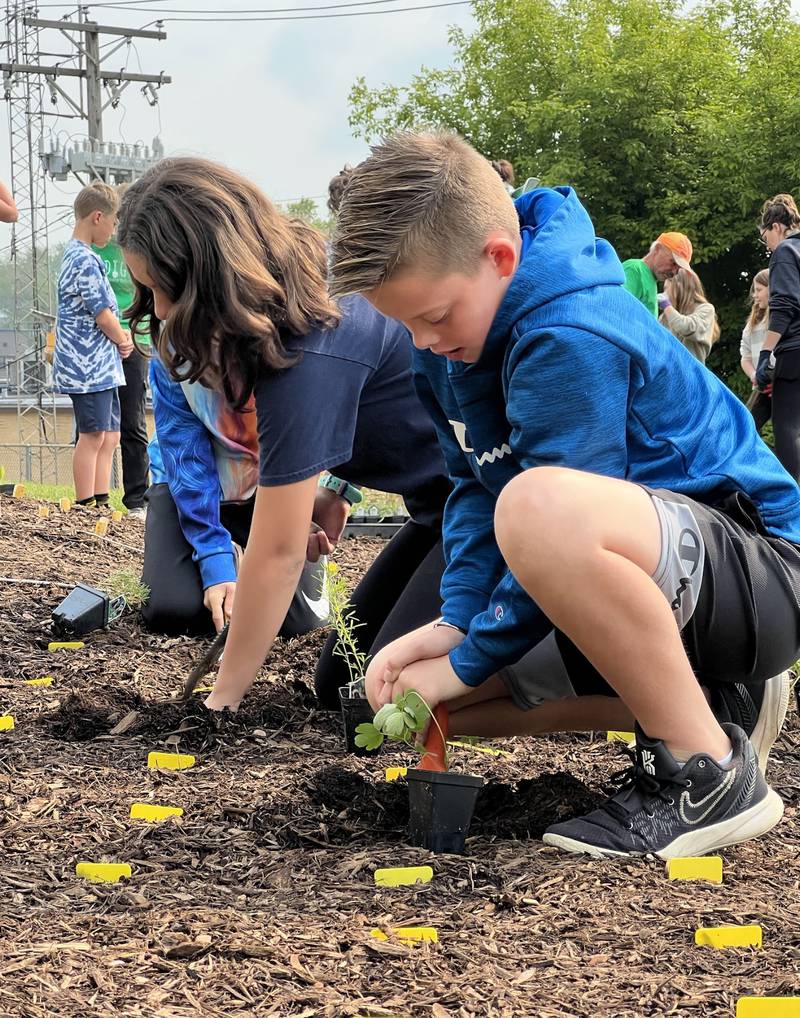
728 936
19 491
626 737
6 723
64 505
411 933
144 811
116 515
393 773
103 872
479 749
46 680
768 1007
71 645
400 876
44 511
708 867
170 761
203 689
101 527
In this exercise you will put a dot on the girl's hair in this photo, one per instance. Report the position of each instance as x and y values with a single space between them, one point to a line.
757 314
242 276
780 209
686 292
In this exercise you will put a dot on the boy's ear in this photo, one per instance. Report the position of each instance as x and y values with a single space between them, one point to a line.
502 252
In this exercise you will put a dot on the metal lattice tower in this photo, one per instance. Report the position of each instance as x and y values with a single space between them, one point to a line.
36 407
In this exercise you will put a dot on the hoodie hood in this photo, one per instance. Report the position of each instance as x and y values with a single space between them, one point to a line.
560 255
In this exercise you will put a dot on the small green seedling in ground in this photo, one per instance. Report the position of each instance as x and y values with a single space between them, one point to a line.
128 584
401 721
344 621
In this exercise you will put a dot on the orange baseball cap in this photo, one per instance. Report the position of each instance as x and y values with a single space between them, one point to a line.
680 246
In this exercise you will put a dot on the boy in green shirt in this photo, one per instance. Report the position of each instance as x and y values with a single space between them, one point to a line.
667 254
133 424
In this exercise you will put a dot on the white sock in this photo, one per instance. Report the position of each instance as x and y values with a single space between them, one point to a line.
727 760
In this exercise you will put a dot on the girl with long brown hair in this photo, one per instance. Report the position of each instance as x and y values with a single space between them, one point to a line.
286 385
753 336
688 313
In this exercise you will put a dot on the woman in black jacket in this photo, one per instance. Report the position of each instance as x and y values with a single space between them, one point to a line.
780 232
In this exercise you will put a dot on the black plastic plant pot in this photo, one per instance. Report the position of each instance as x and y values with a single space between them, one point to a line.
81 611
441 805
355 711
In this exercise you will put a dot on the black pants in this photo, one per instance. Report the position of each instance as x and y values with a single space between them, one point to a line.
786 410
399 592
133 430
761 410
175 605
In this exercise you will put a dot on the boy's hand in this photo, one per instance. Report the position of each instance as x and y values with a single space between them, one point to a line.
219 600
395 658
126 346
434 680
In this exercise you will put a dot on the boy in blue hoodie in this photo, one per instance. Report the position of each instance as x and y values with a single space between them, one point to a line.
613 509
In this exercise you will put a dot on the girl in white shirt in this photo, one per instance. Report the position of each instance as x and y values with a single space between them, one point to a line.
753 336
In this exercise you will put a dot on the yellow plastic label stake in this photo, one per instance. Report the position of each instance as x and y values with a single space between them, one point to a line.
44 511
103 872
170 761
19 491
707 867
71 645
116 515
6 723
101 527
410 933
64 505
768 1007
626 737
203 689
400 876
144 811
393 773
46 680
728 936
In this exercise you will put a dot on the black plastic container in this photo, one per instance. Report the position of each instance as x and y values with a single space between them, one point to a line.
355 711
441 804
85 609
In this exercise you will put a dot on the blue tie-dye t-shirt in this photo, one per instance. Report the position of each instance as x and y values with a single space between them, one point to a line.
85 359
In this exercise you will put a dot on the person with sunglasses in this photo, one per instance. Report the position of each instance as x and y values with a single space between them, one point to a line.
780 232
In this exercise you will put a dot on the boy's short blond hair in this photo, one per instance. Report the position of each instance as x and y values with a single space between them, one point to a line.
96 197
426 201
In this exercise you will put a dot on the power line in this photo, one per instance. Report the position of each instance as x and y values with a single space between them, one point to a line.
226 17
314 17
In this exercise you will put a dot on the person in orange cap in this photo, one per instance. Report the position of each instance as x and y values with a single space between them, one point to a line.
667 255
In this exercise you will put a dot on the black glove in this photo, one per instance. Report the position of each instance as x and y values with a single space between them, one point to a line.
764 373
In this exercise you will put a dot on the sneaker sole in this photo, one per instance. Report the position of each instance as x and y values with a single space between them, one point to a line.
743 827
771 717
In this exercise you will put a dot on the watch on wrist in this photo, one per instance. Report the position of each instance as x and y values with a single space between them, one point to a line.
349 492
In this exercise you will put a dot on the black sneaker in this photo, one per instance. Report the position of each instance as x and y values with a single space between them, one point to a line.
758 710
669 809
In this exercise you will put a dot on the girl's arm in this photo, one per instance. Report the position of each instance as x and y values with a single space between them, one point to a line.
749 368
8 207
276 551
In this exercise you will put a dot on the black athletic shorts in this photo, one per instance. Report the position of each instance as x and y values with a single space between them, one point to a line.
739 623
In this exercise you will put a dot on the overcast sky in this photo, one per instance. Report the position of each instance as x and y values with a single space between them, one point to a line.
269 99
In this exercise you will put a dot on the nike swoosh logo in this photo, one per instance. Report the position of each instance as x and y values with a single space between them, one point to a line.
695 812
321 607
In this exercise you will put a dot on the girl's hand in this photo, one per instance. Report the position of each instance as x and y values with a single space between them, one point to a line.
216 702
330 515
219 601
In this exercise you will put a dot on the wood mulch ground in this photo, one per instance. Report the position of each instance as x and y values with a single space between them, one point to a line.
260 900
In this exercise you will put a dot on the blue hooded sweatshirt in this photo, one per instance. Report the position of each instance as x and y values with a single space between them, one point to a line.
575 372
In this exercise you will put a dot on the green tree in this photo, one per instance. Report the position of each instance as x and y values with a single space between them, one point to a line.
307 209
662 116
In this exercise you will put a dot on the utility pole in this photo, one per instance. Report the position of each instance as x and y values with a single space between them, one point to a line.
37 155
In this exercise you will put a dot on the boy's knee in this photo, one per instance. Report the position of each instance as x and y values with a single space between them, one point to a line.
533 502
94 439
174 616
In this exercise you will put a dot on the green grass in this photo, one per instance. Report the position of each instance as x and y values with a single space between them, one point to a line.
53 492
125 581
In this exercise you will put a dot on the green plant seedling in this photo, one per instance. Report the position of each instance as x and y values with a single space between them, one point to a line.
401 721
126 583
344 621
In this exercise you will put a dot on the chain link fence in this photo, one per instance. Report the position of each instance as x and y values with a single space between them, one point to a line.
49 464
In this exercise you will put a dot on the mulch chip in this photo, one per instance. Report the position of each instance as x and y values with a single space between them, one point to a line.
260 899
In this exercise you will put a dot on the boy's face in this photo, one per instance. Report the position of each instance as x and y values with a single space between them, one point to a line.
450 315
104 226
